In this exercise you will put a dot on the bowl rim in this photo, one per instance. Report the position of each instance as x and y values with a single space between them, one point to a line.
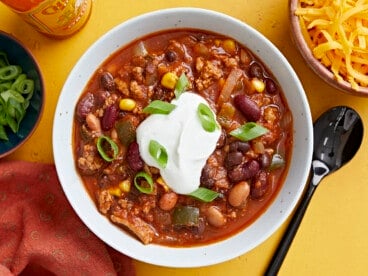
318 68
197 256
42 91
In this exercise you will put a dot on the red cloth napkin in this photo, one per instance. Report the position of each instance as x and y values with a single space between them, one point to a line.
40 234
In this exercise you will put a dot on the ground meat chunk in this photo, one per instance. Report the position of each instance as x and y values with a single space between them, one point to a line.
138 74
137 91
214 173
89 161
122 87
105 201
209 71
135 224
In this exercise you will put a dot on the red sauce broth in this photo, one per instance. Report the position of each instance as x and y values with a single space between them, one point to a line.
157 45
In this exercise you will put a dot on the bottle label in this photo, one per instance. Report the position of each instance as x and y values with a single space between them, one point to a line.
59 17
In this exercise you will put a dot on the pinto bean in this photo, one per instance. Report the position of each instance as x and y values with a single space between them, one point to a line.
215 217
168 201
247 107
239 193
110 115
93 122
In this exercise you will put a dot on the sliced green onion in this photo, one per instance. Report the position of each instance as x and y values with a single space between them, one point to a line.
5 86
106 154
145 186
6 95
181 85
3 135
16 90
3 59
159 107
185 216
10 72
204 194
249 131
158 152
206 117
277 161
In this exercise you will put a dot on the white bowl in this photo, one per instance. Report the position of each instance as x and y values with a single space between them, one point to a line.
197 256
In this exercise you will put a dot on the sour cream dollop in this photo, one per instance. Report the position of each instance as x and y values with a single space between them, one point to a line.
187 143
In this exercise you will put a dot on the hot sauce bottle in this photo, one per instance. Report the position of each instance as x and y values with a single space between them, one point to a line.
56 18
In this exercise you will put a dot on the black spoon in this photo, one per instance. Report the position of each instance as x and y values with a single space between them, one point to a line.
338 134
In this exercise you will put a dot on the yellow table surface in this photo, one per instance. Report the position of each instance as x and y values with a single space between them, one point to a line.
333 237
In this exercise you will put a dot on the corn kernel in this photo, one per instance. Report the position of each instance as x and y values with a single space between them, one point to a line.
115 191
169 80
162 183
258 85
229 45
125 185
217 42
127 104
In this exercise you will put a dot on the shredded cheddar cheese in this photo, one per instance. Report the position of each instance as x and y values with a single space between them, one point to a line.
337 33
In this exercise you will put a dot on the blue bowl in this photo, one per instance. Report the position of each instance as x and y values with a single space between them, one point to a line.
18 55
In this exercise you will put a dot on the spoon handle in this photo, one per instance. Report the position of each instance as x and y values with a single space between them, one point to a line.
289 235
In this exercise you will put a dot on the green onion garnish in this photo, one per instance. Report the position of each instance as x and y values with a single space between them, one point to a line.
16 91
249 131
158 152
206 117
145 186
181 85
204 194
104 146
159 107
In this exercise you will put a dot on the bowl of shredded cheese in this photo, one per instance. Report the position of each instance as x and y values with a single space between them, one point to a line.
332 36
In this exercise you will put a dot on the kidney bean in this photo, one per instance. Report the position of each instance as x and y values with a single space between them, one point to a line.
247 107
101 96
134 158
85 106
239 193
107 81
265 160
110 115
168 201
255 70
271 86
215 217
250 169
259 186
243 147
233 158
